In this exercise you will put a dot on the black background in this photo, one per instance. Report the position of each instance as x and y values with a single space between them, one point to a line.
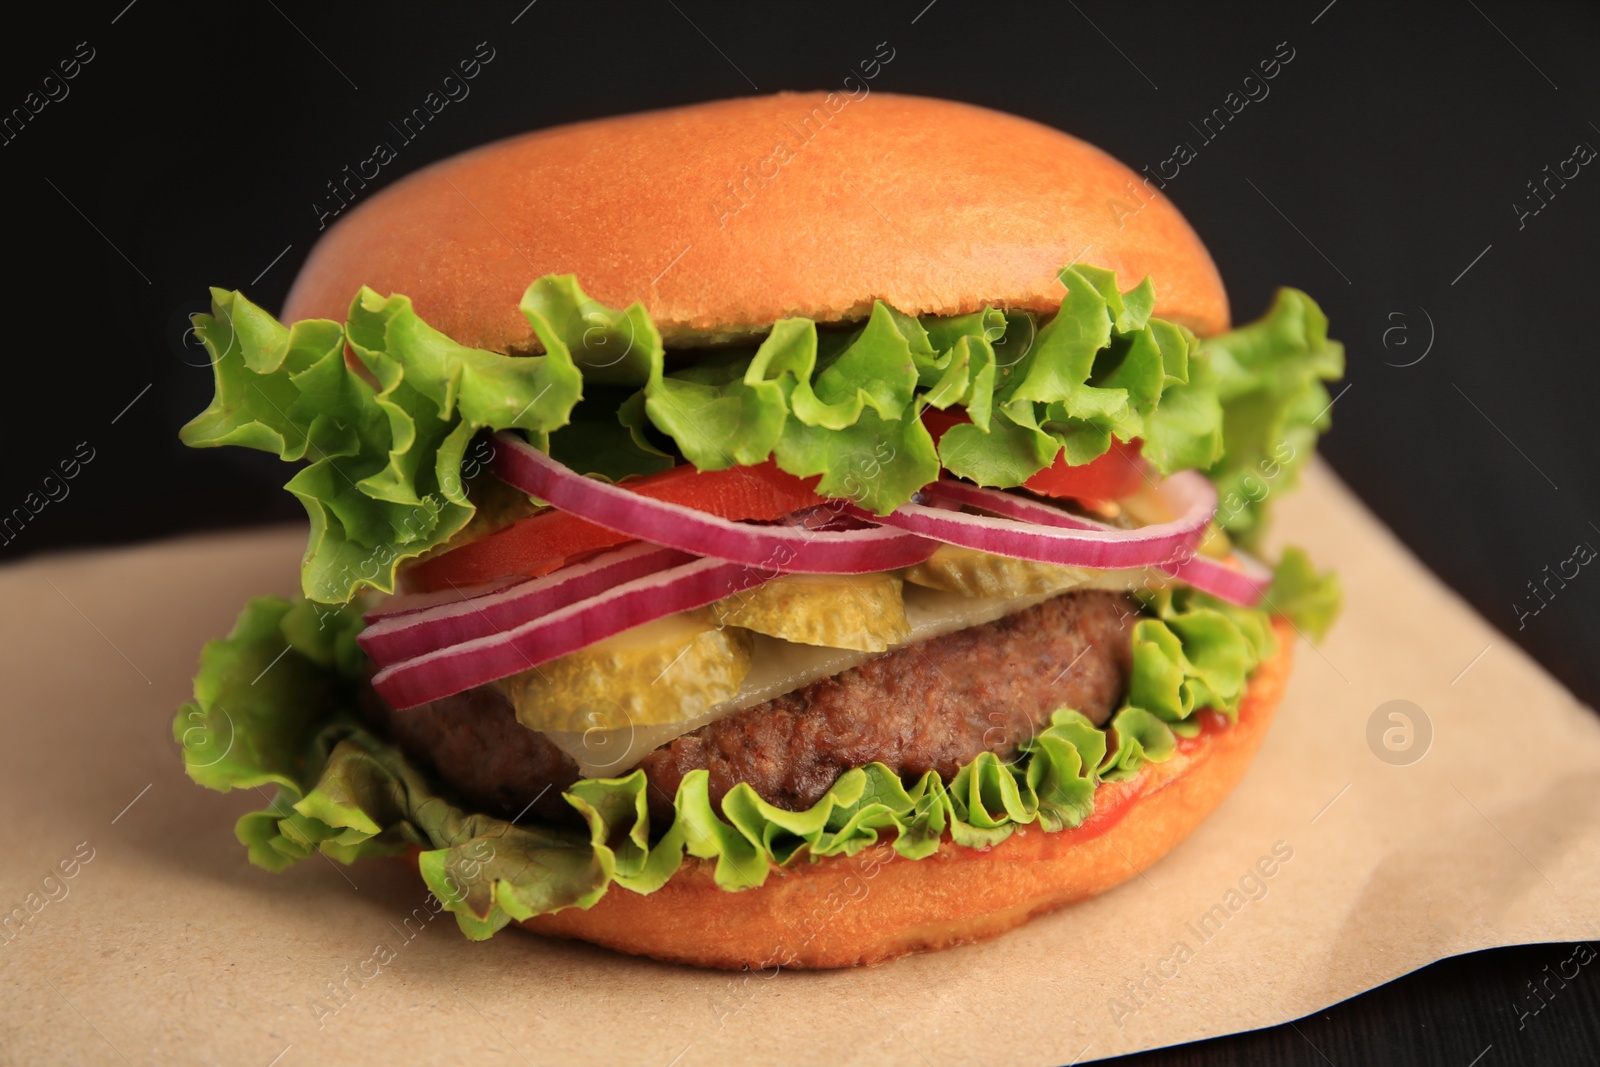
1380 175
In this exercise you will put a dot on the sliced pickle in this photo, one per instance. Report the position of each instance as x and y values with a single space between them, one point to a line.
670 670
859 611
973 573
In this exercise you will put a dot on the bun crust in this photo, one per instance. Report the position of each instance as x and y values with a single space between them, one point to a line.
876 906
724 217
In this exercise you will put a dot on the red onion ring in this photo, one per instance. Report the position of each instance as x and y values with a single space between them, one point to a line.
780 548
1245 587
400 637
405 603
1002 503
1064 541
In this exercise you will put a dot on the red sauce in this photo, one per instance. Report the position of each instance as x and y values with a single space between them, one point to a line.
1211 722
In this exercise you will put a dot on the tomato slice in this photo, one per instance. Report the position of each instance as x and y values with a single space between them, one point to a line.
1118 473
543 542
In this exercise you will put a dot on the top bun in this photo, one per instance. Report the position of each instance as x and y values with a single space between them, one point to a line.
724 217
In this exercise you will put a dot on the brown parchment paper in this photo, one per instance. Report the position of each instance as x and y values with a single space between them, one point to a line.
165 946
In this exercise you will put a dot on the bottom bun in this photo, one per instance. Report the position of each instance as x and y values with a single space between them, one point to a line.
876 905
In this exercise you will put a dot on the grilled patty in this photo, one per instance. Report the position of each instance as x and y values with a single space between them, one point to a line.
934 706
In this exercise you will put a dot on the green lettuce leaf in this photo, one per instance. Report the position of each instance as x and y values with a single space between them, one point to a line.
275 706
1141 736
264 690
1309 599
845 406
1184 431
605 345
1268 378
386 442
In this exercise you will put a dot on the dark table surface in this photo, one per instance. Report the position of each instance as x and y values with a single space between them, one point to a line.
1395 168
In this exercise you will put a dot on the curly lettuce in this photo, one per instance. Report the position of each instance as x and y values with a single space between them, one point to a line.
275 705
384 435
386 439
1268 379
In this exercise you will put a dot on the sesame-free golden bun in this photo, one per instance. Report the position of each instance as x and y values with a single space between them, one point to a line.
724 217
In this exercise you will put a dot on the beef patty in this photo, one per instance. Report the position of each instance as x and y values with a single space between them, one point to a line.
934 706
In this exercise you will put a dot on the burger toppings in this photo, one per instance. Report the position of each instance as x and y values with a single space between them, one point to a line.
932 706
545 540
1239 579
982 574
1111 476
658 681
348 792
524 641
1049 535
910 580
463 616
797 547
505 652
1042 532
864 612
671 670
845 406
1236 578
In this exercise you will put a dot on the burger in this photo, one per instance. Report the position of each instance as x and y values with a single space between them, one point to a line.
759 534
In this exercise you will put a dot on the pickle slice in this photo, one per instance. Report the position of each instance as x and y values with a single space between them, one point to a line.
858 611
666 671
983 574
